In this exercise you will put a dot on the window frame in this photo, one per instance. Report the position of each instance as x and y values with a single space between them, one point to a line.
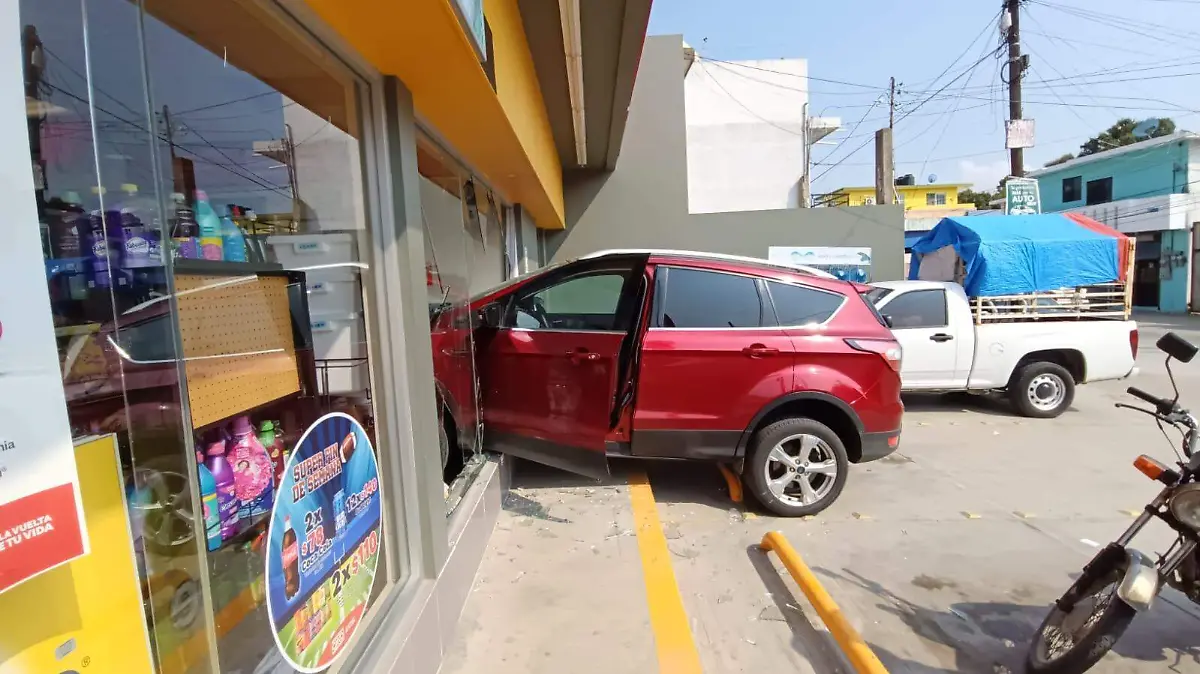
508 319
1087 196
662 273
945 309
766 289
935 198
1076 185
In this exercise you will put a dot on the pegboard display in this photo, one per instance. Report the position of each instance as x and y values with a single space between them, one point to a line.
237 343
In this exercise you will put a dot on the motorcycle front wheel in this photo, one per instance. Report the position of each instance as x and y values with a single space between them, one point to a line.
1070 642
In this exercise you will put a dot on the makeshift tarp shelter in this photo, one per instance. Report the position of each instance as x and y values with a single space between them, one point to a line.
1013 254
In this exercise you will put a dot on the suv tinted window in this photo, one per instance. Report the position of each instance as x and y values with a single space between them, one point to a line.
580 303
797 305
917 309
707 299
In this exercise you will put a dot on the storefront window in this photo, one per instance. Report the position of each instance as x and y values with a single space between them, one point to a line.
464 256
200 195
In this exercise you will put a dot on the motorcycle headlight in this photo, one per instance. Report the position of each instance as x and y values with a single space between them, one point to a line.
1185 506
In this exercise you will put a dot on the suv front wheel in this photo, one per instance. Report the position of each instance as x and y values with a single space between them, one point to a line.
796 467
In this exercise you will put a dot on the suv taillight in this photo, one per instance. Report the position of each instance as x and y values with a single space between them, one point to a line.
1133 342
887 349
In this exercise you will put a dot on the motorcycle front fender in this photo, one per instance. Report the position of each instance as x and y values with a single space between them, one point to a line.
1141 581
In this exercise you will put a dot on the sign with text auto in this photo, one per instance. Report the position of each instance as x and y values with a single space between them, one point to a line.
1021 197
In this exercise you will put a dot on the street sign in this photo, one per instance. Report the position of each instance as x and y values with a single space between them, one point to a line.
1021 197
1018 133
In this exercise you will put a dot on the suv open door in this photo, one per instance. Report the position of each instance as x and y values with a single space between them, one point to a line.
550 363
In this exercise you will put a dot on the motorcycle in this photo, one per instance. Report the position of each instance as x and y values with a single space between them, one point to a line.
1120 582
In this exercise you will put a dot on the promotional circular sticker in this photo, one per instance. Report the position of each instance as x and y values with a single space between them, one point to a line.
324 541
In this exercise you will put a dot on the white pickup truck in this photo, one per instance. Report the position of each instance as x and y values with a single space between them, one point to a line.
1037 362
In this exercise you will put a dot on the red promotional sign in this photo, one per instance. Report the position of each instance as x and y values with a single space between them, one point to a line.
37 533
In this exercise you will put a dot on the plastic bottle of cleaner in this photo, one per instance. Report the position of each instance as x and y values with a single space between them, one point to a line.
210 503
227 500
141 241
97 242
273 443
67 232
232 241
253 471
210 228
185 234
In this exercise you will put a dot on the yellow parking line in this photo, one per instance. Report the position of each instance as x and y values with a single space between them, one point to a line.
672 634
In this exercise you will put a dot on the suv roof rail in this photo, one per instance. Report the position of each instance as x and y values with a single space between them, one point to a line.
762 262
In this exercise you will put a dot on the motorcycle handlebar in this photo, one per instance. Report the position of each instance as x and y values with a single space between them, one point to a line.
1163 406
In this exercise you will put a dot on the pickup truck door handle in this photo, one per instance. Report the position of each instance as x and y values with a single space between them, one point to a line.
760 351
941 337
582 355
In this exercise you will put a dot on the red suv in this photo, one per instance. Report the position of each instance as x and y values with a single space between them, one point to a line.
681 355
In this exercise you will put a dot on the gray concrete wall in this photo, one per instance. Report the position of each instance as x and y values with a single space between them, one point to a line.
644 202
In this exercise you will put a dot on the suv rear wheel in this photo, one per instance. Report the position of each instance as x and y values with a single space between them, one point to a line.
796 467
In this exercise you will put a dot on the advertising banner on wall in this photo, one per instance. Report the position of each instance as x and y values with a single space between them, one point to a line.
41 513
324 542
845 262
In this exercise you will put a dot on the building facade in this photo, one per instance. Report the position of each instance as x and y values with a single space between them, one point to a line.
645 201
1145 189
938 198
749 132
239 407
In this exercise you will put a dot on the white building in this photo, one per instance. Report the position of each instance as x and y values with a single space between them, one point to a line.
746 134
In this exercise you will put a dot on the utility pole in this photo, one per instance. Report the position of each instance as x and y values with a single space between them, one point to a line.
1016 65
885 183
892 104
805 182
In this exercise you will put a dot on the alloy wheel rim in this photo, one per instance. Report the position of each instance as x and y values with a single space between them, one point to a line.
801 469
1047 391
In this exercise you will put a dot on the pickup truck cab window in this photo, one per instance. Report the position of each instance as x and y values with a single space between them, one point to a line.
798 305
917 309
695 298
580 303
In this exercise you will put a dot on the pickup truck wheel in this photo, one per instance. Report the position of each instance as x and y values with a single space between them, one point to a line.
796 467
1042 390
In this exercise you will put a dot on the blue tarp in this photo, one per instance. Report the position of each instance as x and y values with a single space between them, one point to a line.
1012 254
912 237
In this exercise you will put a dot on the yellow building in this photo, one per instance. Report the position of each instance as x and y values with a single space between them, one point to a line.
935 197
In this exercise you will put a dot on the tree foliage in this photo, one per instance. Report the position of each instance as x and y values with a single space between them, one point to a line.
1121 133
1060 160
980 199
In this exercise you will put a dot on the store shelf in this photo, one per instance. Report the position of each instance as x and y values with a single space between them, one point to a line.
188 266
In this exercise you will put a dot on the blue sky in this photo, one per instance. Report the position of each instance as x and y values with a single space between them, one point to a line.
1149 50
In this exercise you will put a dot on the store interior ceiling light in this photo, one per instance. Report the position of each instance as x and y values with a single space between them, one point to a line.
568 11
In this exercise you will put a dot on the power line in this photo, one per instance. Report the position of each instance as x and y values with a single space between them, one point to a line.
253 179
780 72
230 102
747 108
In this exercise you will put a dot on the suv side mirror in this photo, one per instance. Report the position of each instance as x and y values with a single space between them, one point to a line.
489 316
887 319
1176 347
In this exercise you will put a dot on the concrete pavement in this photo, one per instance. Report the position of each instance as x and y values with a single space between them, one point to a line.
944 556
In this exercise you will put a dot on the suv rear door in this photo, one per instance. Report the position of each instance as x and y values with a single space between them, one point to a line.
549 371
710 360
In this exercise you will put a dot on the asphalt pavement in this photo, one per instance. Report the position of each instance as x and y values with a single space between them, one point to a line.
945 556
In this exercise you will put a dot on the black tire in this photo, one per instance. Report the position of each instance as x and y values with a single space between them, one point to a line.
1054 375
759 464
444 445
1098 640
